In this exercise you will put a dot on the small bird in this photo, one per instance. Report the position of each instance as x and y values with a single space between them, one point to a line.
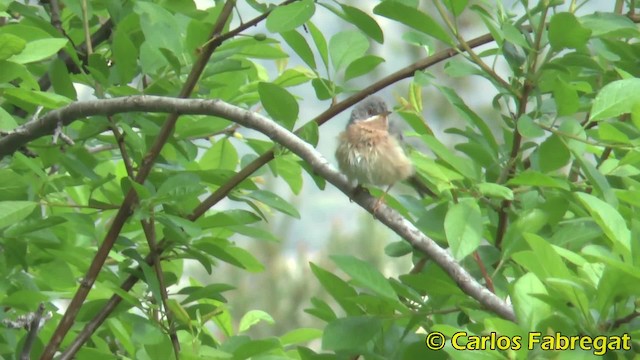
367 152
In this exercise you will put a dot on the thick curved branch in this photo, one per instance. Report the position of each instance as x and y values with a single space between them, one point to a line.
320 165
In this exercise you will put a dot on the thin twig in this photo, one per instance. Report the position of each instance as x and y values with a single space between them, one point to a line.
523 99
468 49
85 25
624 320
483 270
55 15
122 146
33 333
150 233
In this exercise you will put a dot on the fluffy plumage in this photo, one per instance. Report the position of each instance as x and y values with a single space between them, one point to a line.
367 152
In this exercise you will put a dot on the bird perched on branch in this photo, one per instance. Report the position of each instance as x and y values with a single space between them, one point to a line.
368 152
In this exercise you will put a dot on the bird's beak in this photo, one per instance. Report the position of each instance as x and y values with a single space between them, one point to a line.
378 116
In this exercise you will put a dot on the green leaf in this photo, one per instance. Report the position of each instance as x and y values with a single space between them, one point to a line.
309 132
275 202
320 41
289 17
159 26
301 335
39 50
279 104
412 17
596 179
398 248
463 227
608 132
347 46
7 121
566 98
294 76
616 98
565 31
10 71
456 6
528 129
469 115
534 178
366 275
30 225
324 88
364 22
341 291
221 155
250 349
180 185
553 154
10 45
48 100
362 66
13 211
252 317
610 221
240 257
610 24
291 171
228 218
61 80
125 55
463 165
495 190
528 307
197 293
351 333
299 44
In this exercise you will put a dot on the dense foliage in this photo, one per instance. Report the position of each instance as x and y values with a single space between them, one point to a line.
537 203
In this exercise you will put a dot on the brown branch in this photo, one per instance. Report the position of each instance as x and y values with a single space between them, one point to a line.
509 170
85 27
417 268
34 326
55 15
122 146
131 198
150 233
624 320
483 271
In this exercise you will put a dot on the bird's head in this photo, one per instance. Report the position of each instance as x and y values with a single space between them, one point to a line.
369 109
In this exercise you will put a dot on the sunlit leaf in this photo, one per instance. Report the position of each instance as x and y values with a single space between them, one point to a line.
565 31
39 50
463 226
279 103
290 16
412 17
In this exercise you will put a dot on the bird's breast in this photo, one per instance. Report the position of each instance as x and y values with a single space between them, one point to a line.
372 156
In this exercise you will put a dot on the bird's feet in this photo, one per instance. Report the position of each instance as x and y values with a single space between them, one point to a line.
377 205
357 190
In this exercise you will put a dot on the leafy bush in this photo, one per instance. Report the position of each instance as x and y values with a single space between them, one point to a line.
531 229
